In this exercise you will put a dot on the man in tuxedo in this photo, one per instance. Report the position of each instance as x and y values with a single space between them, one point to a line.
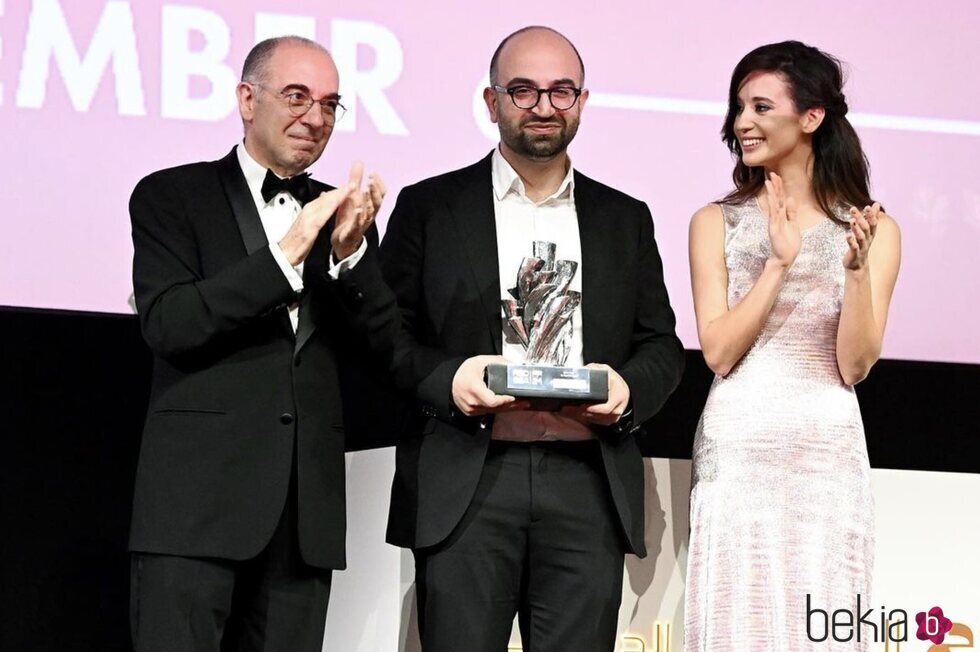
510 510
252 282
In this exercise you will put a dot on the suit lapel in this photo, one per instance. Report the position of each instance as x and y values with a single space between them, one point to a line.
313 271
242 204
598 255
305 326
472 211
246 215
314 266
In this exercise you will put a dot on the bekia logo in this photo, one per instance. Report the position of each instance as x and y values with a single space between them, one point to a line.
885 626
933 626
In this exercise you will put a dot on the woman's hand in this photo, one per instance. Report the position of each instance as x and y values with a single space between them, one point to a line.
784 230
864 225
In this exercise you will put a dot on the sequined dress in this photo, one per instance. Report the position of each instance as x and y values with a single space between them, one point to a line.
781 503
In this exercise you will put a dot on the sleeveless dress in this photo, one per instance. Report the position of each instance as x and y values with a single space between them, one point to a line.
781 504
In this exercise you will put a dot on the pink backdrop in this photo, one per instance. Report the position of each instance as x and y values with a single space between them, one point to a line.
94 95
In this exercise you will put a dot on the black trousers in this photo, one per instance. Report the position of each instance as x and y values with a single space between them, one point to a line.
540 540
272 603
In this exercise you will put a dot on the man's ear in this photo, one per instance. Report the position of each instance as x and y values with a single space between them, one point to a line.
490 97
246 100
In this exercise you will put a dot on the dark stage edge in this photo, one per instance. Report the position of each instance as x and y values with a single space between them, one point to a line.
74 393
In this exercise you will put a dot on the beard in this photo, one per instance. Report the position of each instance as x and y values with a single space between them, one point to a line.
541 147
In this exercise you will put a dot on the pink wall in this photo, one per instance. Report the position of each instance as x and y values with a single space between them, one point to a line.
78 131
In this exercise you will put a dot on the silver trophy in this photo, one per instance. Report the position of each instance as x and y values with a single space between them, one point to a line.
539 318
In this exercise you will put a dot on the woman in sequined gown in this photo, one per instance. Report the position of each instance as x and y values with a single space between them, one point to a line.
791 289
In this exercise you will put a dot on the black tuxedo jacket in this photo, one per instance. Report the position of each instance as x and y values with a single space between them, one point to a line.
439 255
236 395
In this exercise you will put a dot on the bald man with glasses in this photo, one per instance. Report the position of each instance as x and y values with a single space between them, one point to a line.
511 510
254 285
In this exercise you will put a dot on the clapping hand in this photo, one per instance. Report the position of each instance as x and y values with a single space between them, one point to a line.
864 225
298 241
784 230
357 212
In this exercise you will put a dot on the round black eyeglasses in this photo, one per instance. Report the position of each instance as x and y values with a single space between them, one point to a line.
562 98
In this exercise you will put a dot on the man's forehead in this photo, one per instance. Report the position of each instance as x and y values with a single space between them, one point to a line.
300 57
310 67
540 56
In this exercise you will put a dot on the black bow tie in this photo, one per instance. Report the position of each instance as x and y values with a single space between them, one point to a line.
298 186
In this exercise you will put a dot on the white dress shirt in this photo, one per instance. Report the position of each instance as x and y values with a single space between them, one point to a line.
278 215
520 222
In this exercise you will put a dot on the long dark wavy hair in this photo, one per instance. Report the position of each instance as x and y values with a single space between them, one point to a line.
815 79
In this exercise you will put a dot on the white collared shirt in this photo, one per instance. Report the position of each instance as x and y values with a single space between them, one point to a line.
520 222
277 216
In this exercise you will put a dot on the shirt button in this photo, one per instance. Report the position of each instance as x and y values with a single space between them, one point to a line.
286 418
282 200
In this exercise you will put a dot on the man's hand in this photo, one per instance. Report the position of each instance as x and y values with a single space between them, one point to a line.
357 212
471 394
298 241
602 414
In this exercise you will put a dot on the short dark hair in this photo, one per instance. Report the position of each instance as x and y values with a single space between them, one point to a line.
496 53
257 62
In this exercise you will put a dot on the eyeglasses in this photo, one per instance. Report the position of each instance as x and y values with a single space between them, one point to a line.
299 102
562 98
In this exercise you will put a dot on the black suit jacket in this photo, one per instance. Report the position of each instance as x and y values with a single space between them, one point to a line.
439 255
235 394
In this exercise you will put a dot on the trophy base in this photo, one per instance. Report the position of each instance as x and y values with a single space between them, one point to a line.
548 386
